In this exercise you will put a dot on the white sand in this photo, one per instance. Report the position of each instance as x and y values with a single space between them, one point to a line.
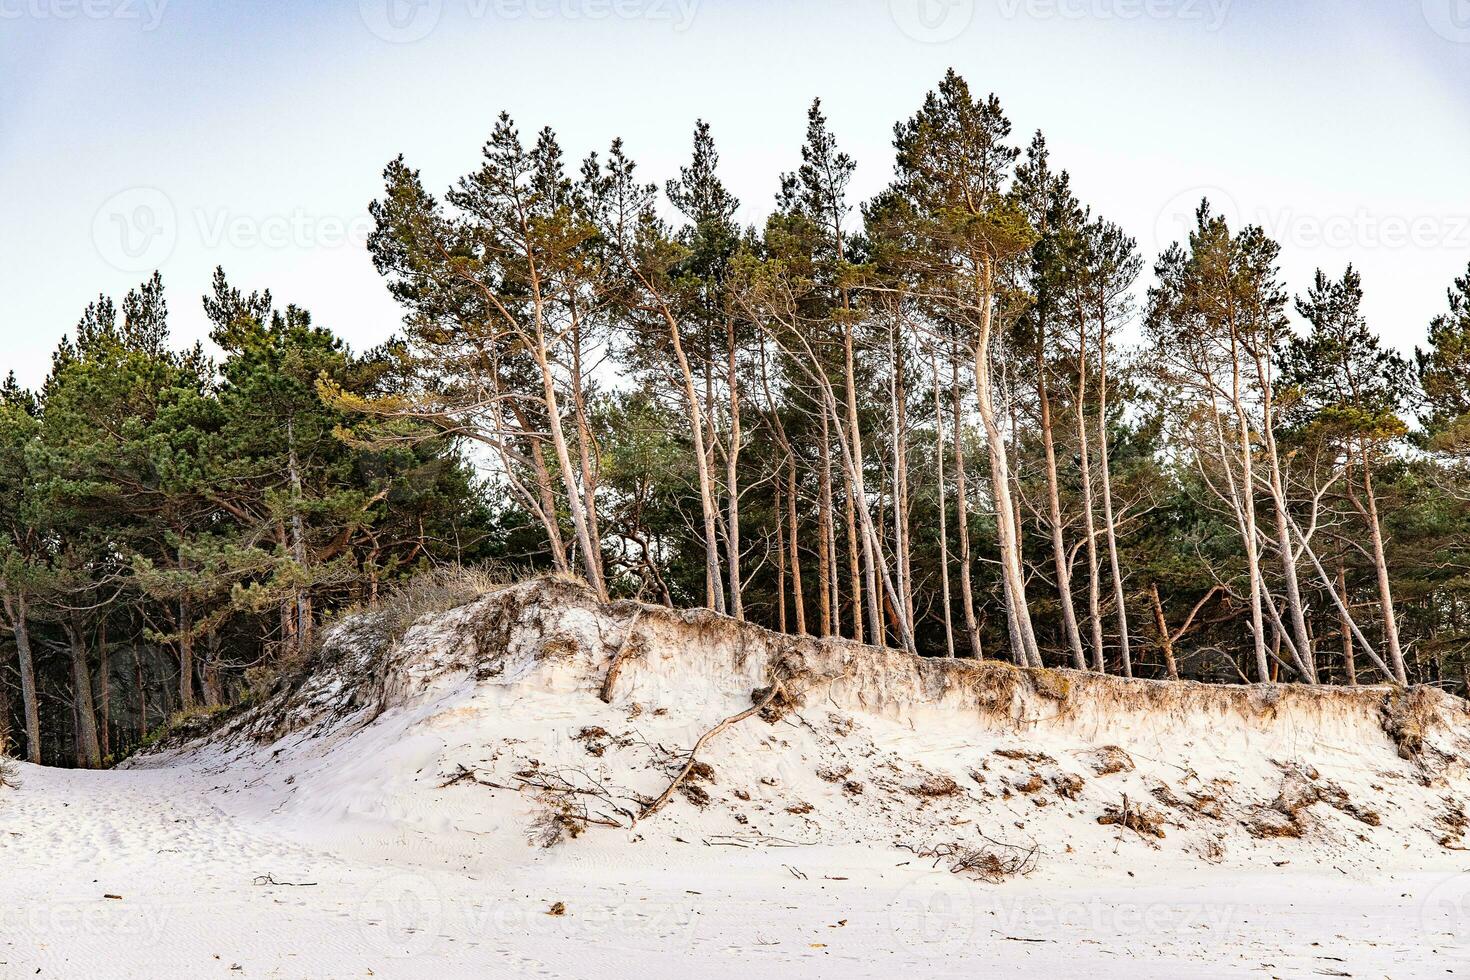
381 870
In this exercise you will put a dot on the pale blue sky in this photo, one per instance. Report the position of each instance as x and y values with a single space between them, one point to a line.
187 134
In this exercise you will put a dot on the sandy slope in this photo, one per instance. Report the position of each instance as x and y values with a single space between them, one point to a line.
773 863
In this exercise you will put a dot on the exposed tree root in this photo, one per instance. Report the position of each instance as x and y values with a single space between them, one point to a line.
776 690
615 665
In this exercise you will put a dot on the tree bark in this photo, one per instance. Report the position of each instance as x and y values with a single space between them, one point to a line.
962 519
1054 514
943 510
798 602
17 611
1348 659
1125 653
88 748
732 481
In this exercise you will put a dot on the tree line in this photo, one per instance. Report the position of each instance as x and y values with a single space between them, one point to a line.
951 419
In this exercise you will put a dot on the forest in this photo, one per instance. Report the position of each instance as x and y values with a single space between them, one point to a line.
965 418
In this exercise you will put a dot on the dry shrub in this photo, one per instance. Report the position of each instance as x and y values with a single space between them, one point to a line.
852 787
834 774
1142 820
992 862
560 816
1019 755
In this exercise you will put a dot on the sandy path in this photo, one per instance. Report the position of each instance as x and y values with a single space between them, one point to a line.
185 857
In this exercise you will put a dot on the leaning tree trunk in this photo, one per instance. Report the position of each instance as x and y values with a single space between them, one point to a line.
856 481
732 481
1054 515
962 521
18 611
1125 653
1084 453
1248 513
1385 589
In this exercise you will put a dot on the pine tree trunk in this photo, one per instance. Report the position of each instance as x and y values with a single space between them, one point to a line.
714 581
1348 659
943 510
1125 652
1295 609
854 564
1166 642
825 552
1054 515
798 600
780 556
89 750
1385 589
856 481
962 520
141 690
186 655
1084 454
17 610
1248 510
1018 610
104 695
732 481
591 550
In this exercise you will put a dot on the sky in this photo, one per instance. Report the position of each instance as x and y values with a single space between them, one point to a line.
180 135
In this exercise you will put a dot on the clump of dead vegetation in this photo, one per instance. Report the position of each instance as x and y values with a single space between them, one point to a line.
1454 823
1067 785
1144 821
933 787
992 862
1109 759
